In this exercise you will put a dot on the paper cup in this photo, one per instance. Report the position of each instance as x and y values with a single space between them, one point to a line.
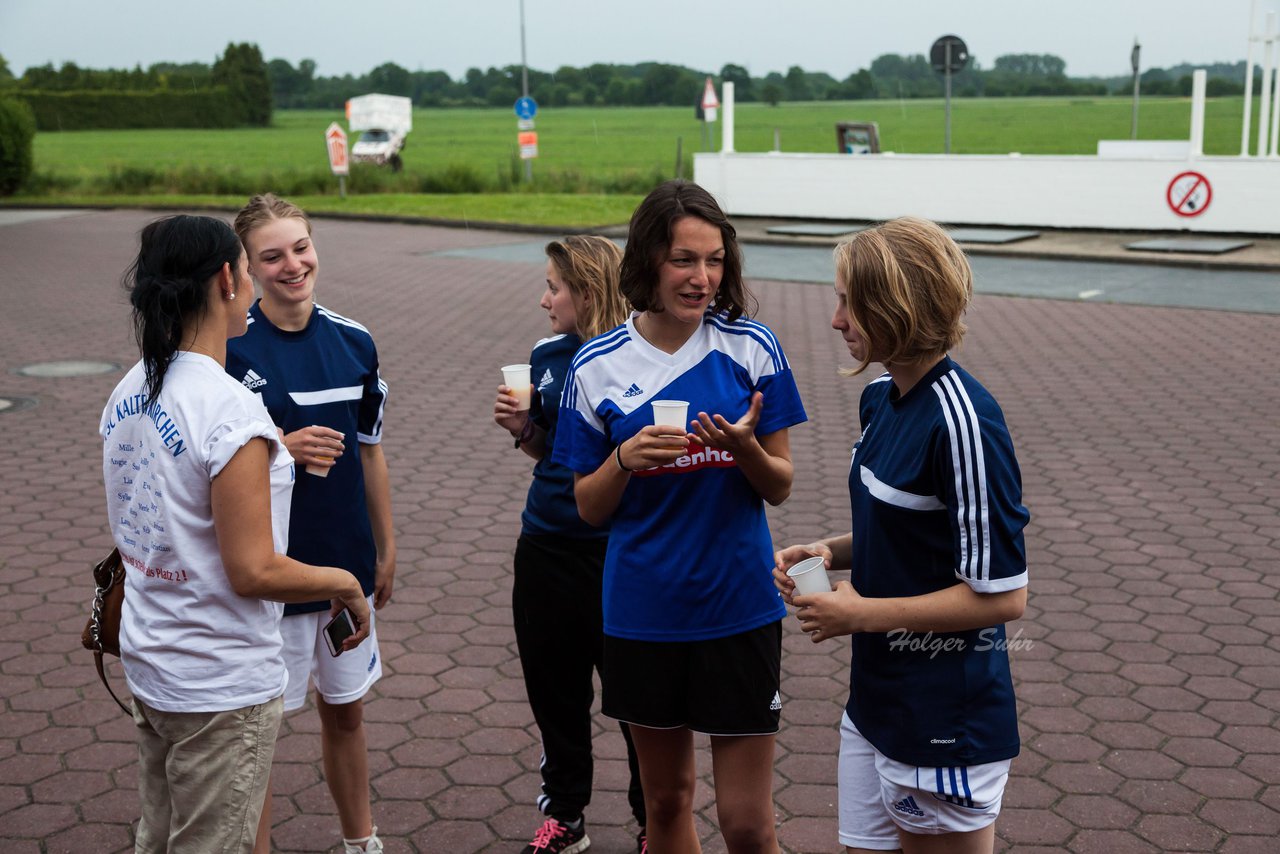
671 413
319 471
810 576
517 377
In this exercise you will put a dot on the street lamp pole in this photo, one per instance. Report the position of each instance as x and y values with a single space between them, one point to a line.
524 88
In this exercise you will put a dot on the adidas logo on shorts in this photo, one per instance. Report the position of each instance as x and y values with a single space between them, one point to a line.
908 806
776 704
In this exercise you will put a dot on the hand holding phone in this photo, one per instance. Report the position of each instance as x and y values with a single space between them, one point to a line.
338 630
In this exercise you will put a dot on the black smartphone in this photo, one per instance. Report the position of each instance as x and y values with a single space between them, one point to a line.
339 629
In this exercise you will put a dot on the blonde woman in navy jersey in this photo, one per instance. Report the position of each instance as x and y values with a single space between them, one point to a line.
692 622
559 559
318 374
937 558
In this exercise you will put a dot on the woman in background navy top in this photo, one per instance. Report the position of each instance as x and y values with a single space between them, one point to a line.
559 560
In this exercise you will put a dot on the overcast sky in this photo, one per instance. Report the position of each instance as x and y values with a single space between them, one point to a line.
836 36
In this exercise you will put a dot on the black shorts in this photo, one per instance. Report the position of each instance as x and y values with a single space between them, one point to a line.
723 686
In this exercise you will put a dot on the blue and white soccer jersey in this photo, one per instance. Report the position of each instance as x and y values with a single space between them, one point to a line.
327 375
937 498
551 509
689 553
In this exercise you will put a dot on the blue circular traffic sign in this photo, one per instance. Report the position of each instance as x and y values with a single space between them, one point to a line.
526 108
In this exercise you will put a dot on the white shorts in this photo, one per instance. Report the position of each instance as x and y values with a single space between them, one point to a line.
878 795
341 679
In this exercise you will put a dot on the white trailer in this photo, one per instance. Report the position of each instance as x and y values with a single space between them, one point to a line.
383 121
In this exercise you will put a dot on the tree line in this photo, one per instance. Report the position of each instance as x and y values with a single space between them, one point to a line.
234 90
260 85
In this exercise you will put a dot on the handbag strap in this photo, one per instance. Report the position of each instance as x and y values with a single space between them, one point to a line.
102 674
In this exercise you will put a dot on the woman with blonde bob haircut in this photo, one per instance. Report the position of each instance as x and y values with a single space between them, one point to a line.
936 556
559 559
914 285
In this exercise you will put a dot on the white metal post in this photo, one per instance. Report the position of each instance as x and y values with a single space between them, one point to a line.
1264 105
1248 83
1197 112
726 123
1275 110
1135 57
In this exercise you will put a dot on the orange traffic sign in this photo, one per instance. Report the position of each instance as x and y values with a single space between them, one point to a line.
335 139
528 144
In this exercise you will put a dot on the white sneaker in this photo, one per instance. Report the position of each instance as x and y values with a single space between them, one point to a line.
370 844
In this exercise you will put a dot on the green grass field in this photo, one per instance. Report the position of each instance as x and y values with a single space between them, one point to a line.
561 210
598 155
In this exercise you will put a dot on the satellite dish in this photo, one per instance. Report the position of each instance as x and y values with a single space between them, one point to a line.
949 62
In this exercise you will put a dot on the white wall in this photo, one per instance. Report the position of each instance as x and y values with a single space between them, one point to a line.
1052 192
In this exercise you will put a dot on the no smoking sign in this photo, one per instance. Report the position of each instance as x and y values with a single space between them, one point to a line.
1189 194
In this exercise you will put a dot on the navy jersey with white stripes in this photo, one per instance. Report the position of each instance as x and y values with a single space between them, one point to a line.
327 375
551 508
689 553
937 499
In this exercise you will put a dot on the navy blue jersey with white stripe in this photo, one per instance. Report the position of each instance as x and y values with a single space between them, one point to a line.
937 499
325 374
689 553
551 508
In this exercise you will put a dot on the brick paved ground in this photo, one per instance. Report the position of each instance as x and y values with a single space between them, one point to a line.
1148 438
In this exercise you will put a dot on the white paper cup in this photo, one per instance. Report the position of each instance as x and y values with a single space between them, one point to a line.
319 471
517 377
810 576
671 413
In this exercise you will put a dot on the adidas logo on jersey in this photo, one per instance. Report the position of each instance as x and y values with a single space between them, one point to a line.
776 704
634 391
546 380
908 806
252 380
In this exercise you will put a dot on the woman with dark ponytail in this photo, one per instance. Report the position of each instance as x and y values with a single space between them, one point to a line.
198 485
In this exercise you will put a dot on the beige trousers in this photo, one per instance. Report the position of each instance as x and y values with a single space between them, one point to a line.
202 777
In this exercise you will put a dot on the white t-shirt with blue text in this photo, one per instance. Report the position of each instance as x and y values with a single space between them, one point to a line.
188 642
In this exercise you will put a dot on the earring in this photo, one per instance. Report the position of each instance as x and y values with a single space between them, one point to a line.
231 295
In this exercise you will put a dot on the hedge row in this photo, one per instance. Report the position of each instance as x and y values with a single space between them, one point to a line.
16 132
365 179
211 108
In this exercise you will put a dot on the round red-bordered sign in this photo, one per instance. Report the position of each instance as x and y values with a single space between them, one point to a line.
1189 194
